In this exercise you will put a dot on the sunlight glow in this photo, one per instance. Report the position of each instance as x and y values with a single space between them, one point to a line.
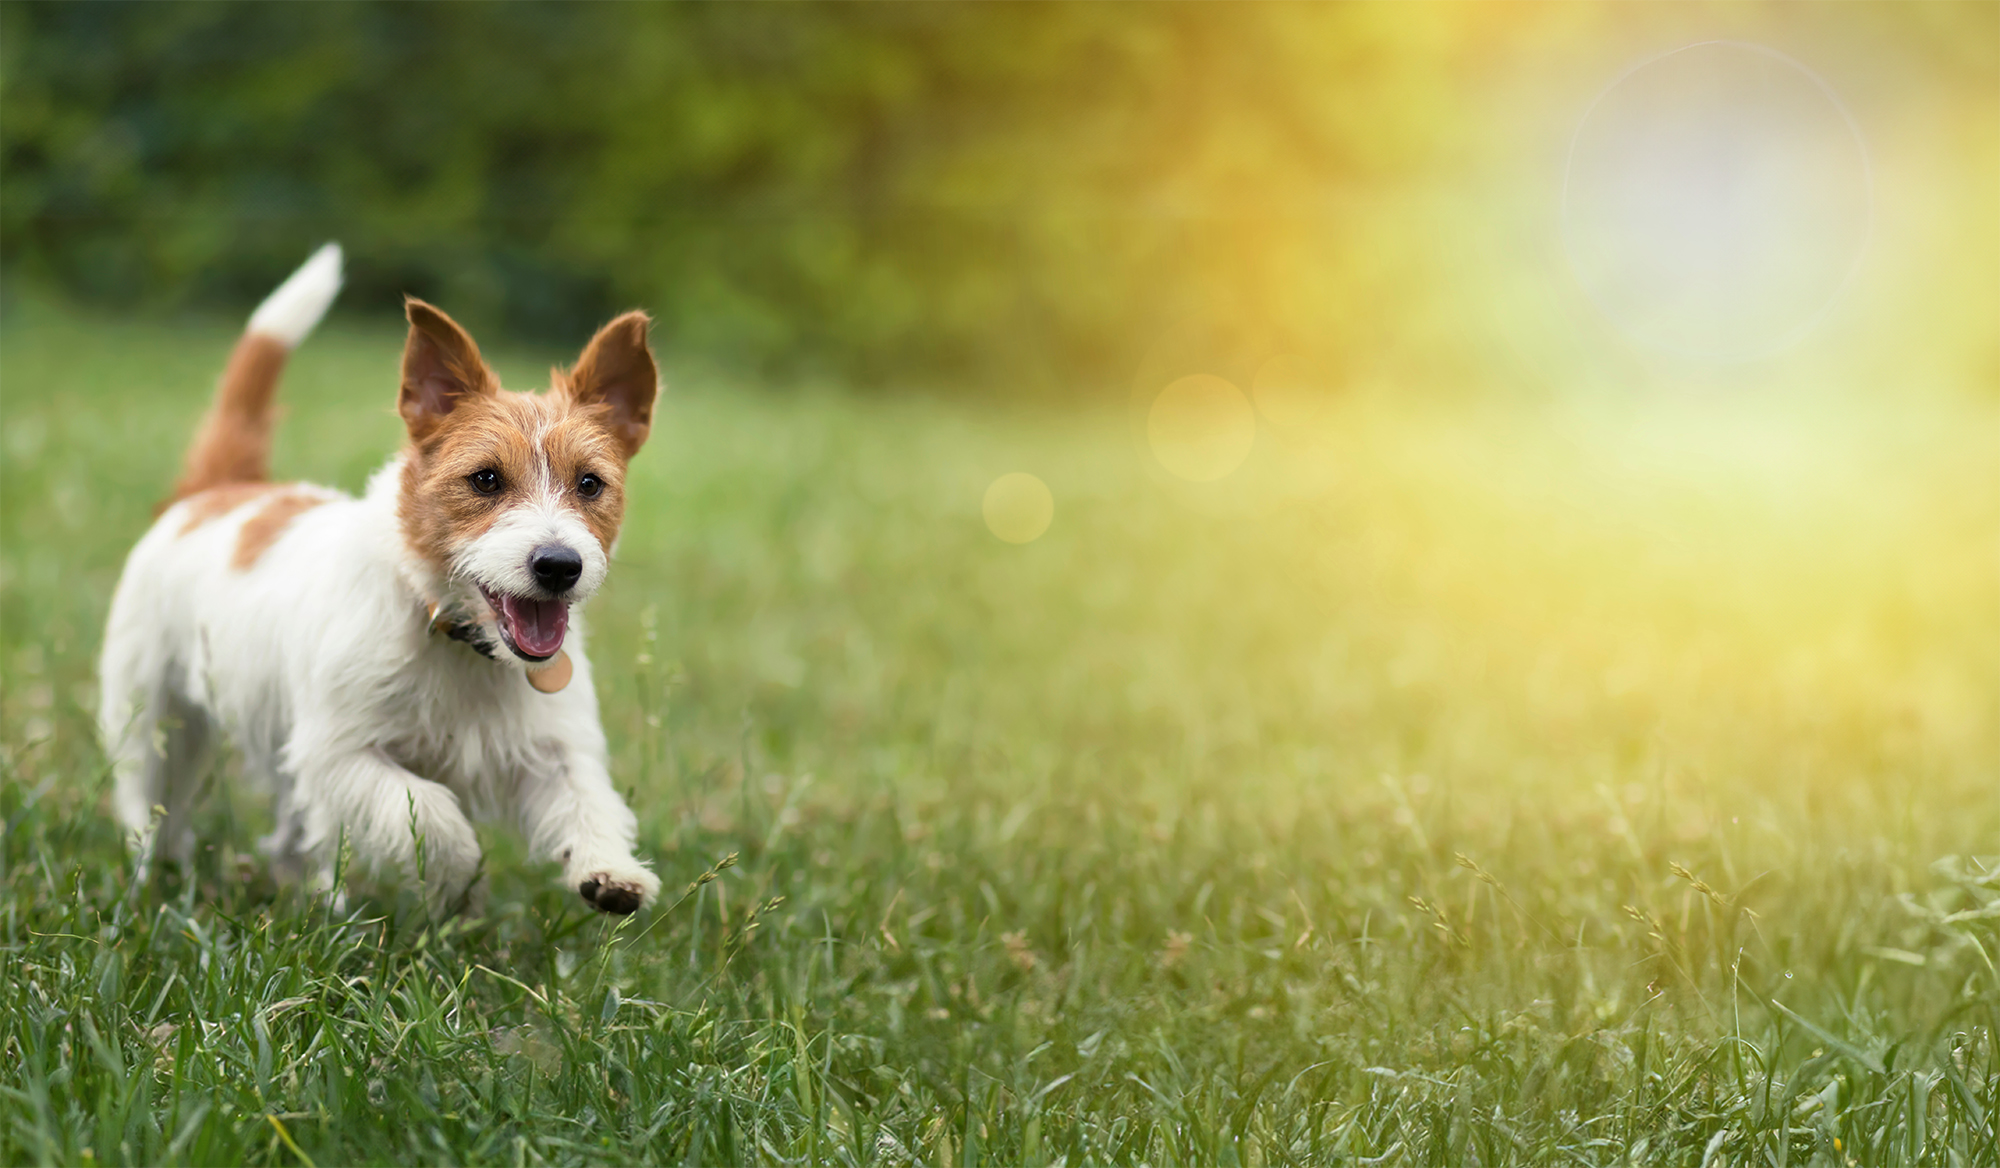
1201 428
1717 199
1287 393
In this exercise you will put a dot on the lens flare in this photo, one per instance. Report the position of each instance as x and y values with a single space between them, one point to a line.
1201 428
1716 201
1018 507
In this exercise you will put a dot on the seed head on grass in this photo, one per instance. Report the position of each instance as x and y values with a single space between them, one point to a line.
707 877
1655 928
1018 951
1439 920
714 870
1472 865
753 919
1720 901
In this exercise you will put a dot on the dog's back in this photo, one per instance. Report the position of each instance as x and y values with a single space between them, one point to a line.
223 514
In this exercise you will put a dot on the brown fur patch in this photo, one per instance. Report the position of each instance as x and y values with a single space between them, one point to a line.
261 530
234 442
216 502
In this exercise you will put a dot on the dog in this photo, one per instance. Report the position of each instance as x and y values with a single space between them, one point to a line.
395 664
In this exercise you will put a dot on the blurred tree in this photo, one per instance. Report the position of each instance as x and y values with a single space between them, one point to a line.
899 188
1032 194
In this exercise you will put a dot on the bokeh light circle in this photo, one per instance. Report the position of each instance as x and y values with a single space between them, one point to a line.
1716 200
1201 428
1018 507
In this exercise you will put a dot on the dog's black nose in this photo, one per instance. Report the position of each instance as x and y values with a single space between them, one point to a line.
556 568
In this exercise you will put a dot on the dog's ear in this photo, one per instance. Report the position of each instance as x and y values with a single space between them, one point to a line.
441 367
617 371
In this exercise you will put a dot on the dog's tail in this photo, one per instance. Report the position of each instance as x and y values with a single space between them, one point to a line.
234 442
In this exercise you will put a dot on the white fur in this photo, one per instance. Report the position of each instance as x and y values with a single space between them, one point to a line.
499 558
290 312
320 662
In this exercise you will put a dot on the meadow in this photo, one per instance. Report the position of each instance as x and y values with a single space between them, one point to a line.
1596 778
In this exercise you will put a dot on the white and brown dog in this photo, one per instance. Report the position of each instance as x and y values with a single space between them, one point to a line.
394 663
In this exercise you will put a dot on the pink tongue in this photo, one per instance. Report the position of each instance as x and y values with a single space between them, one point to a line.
537 626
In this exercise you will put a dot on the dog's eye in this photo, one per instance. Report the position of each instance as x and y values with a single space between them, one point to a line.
590 486
486 482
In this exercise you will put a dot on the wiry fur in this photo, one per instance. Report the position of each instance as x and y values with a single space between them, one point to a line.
303 623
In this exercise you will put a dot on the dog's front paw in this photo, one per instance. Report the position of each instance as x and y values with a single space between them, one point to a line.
619 890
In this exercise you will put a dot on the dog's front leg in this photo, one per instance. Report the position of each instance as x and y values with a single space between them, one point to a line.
390 817
573 816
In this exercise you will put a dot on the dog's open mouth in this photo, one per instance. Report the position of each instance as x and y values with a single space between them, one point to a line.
532 628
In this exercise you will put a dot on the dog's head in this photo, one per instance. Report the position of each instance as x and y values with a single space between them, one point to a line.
513 500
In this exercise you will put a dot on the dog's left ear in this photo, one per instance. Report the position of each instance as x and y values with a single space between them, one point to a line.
617 371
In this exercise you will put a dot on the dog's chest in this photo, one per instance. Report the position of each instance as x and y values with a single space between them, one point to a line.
464 722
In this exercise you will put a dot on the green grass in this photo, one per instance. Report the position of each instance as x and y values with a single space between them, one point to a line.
1468 781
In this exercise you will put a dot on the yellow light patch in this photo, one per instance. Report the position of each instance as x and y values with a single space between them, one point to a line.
1018 507
1201 428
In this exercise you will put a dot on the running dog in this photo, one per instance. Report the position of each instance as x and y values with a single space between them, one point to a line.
392 664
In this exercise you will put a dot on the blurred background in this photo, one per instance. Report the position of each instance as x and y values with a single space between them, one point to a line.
1002 199
1260 531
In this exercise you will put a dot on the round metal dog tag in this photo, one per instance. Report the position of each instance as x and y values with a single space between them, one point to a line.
553 676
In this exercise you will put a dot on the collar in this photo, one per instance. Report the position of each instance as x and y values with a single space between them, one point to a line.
451 626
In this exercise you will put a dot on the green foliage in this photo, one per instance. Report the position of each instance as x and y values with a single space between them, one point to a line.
915 184
1025 197
1536 791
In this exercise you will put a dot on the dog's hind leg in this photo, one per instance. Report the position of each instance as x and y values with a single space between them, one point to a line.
284 846
160 747
155 733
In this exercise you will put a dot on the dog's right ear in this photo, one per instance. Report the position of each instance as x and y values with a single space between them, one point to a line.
441 367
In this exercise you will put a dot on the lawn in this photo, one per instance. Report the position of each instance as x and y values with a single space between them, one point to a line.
1585 779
